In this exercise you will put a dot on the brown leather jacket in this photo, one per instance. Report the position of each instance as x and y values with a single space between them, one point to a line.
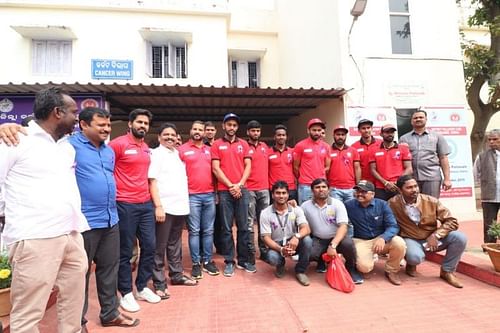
431 211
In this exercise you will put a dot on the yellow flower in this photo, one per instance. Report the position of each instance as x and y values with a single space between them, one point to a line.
4 273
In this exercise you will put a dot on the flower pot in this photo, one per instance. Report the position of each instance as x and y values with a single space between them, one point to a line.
5 305
493 250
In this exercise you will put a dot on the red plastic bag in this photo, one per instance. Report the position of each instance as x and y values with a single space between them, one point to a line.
337 275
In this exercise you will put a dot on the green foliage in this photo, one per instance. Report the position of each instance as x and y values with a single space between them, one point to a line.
5 271
494 229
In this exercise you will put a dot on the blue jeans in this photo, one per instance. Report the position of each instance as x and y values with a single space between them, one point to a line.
201 219
305 193
136 220
454 244
342 194
238 208
304 248
258 201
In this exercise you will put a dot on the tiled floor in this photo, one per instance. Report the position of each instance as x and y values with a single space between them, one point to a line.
262 303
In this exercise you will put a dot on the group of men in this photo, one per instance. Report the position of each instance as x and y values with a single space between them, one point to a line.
123 191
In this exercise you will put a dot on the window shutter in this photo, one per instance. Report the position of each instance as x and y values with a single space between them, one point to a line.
149 59
66 57
53 57
185 72
171 61
242 79
38 57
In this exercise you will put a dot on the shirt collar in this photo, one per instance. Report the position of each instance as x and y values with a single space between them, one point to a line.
273 209
383 147
373 141
131 139
276 149
336 148
236 139
412 132
36 129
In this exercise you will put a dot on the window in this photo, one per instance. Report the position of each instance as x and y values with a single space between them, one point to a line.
400 26
167 61
51 57
244 74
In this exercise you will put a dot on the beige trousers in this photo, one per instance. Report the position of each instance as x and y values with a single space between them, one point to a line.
396 248
38 265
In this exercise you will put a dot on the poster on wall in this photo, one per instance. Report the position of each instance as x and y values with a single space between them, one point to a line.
380 115
450 121
13 109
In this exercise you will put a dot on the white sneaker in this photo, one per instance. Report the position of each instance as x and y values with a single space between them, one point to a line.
129 304
295 257
147 295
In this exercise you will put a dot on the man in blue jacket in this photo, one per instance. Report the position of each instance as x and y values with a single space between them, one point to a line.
375 231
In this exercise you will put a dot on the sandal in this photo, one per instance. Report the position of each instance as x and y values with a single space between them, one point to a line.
162 293
185 281
122 321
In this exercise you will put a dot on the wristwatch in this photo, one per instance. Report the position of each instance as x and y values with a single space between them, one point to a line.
297 235
437 235
333 246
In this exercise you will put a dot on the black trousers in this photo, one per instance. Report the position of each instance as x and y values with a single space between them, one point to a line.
345 247
490 211
103 248
384 194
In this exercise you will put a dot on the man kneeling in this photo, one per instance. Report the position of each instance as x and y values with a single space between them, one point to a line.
418 215
285 232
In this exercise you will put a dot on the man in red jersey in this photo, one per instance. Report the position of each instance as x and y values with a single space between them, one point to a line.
345 171
197 158
257 183
231 165
389 161
311 158
280 159
135 209
364 144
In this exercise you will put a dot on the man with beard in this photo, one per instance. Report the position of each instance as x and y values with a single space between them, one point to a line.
94 175
388 161
43 217
285 232
280 158
311 158
327 218
169 193
363 146
231 165
135 210
257 183
197 158
345 171
430 156
209 134
418 215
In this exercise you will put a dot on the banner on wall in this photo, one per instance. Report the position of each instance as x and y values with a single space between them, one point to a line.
450 121
16 108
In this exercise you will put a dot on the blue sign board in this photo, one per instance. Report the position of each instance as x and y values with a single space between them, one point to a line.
109 69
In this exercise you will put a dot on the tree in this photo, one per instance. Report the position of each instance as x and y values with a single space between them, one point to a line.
483 67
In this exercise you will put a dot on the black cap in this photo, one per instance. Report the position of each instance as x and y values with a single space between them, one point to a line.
253 124
365 185
365 121
230 116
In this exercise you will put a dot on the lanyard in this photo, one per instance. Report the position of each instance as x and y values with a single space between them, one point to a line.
283 225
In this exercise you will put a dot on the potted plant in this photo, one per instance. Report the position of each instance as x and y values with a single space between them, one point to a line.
5 280
493 249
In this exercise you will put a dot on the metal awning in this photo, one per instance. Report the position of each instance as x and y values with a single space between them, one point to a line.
187 103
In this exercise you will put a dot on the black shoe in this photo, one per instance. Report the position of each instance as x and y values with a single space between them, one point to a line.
210 268
280 271
321 267
196 272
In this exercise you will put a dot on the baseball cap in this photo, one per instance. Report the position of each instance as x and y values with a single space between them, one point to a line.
231 116
388 127
365 185
340 128
316 121
365 121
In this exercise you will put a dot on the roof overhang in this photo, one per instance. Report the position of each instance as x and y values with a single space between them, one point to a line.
188 103
48 32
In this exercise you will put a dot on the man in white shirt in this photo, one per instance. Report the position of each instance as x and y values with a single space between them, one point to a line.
43 217
168 185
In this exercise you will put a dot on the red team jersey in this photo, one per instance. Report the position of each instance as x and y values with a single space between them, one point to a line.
389 162
198 163
312 155
281 167
341 174
231 157
259 176
364 157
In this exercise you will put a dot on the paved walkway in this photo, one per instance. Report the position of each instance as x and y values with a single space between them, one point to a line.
261 303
